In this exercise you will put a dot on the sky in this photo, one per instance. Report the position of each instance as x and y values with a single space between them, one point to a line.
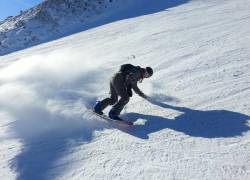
13 7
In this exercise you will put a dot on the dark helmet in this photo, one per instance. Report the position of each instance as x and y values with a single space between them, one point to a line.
149 71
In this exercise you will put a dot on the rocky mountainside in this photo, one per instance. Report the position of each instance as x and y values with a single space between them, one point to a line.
50 20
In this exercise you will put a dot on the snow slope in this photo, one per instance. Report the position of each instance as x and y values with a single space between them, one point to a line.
197 119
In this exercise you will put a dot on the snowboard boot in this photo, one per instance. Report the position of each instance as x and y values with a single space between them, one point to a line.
114 116
97 108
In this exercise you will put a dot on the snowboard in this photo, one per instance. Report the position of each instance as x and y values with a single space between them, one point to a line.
105 117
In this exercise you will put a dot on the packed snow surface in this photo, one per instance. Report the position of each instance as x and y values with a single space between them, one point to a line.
195 125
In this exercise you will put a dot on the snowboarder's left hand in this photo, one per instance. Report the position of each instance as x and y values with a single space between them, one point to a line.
130 93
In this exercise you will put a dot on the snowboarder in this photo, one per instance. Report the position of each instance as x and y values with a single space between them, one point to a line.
121 84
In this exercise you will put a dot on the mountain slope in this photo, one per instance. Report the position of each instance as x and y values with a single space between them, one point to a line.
49 20
53 19
196 121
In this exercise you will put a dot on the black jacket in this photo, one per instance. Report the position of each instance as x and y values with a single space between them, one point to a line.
132 75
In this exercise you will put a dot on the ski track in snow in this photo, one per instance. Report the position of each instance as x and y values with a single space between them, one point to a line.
197 120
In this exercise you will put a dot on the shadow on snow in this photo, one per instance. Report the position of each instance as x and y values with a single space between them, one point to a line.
39 156
149 7
196 123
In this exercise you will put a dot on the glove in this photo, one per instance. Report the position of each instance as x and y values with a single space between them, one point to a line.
144 96
130 93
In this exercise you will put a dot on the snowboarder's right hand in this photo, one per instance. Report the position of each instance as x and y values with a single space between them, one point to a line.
130 93
144 96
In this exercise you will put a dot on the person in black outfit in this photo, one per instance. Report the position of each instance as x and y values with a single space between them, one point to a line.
121 84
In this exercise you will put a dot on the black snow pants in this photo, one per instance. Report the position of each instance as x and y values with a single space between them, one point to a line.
117 89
